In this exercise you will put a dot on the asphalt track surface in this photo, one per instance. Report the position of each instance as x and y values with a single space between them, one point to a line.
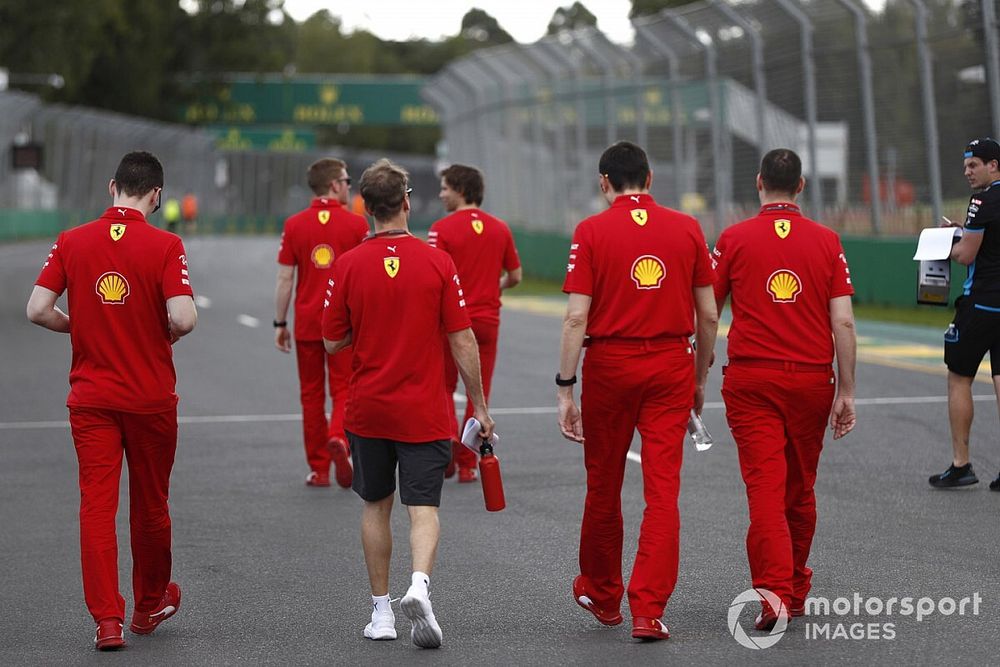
272 571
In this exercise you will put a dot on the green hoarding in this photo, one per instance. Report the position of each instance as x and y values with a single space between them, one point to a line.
235 138
379 101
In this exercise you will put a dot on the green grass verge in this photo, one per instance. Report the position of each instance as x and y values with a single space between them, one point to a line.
931 316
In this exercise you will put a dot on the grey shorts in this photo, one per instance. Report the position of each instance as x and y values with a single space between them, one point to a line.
421 469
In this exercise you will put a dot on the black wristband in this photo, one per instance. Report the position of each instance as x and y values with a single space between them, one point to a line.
565 383
280 325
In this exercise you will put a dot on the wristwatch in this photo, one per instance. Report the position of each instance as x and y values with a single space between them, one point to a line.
565 383
280 325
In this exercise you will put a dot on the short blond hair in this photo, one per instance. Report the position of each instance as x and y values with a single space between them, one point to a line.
383 187
323 172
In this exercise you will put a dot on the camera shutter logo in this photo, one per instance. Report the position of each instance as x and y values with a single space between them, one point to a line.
737 631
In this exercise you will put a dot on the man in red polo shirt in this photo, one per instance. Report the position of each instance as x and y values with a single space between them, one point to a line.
311 241
487 262
791 300
395 299
638 274
130 299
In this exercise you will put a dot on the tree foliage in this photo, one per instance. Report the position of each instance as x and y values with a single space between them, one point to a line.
573 17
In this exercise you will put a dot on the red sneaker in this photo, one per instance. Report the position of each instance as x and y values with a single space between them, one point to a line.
144 622
467 475
768 617
110 635
649 628
318 479
605 616
343 469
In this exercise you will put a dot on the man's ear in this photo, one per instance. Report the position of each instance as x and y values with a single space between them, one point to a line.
802 185
760 183
649 180
111 188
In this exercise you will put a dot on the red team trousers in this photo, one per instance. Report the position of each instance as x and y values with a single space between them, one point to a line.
650 386
148 442
778 417
316 370
486 337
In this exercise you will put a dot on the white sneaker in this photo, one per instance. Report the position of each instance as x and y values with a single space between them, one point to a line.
416 604
382 626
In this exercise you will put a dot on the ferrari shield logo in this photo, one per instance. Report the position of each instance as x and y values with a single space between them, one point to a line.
324 217
391 265
639 216
117 231
477 226
782 227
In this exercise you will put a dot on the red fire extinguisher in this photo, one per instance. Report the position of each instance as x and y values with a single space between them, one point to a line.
489 473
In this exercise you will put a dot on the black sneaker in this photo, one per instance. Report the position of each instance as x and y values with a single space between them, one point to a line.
995 484
955 476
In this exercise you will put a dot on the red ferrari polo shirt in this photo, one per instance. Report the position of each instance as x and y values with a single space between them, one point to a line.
639 262
119 272
781 269
398 297
482 247
311 241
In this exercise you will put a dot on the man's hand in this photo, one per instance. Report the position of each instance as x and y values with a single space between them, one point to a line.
842 416
485 421
283 339
699 399
570 419
945 222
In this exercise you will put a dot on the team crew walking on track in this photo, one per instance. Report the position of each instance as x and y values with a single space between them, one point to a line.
790 287
396 300
482 248
312 239
639 280
130 299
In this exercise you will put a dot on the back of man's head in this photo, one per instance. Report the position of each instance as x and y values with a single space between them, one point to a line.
625 165
138 173
324 171
780 171
466 181
383 187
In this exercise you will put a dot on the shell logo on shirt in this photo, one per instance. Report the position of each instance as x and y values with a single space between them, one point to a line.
117 231
477 226
782 227
391 265
639 216
324 217
648 272
112 287
783 286
322 256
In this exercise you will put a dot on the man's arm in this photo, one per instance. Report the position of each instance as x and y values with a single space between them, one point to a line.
511 279
466 353
707 328
334 346
283 297
42 310
182 316
842 416
967 247
573 332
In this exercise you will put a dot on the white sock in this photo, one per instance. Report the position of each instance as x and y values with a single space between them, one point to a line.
381 603
421 579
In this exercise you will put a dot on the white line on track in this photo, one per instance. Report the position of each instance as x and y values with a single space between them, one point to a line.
248 321
538 410
202 301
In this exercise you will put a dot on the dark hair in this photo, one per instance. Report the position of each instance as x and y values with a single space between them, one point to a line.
625 165
780 171
324 171
383 187
466 181
138 173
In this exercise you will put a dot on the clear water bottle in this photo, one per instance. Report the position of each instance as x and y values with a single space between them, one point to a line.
702 438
